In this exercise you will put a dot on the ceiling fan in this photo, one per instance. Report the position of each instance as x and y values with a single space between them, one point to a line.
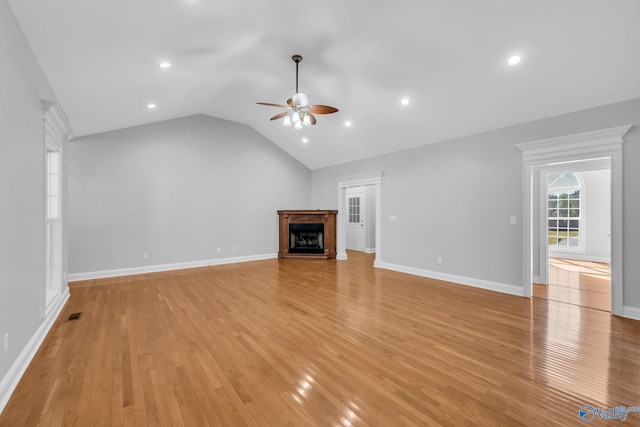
299 113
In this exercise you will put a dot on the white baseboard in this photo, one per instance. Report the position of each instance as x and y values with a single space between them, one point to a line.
580 257
13 376
370 250
627 311
631 312
165 267
469 281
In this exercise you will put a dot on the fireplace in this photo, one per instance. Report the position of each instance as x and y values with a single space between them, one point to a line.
306 238
307 234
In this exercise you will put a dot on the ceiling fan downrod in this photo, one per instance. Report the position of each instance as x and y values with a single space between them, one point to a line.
296 59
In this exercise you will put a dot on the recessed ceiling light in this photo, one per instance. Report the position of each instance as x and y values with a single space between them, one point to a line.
165 64
404 101
514 60
305 140
347 124
151 106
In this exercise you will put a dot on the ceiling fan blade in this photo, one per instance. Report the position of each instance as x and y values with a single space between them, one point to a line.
279 116
322 109
272 105
312 117
290 102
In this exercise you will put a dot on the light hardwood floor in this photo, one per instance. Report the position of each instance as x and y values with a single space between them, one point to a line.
583 283
327 343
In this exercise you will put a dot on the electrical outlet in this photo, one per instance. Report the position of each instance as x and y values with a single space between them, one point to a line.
439 260
219 250
145 255
5 345
234 249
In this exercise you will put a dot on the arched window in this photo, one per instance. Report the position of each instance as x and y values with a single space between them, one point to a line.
564 210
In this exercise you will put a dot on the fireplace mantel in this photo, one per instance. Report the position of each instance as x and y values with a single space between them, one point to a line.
306 219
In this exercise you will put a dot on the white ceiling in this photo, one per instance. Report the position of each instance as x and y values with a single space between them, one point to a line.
448 56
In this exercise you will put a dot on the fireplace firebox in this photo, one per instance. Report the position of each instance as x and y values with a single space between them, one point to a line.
307 234
306 238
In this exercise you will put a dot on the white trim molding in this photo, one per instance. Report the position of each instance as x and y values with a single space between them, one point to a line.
631 312
102 274
460 280
373 178
59 129
19 367
541 154
579 143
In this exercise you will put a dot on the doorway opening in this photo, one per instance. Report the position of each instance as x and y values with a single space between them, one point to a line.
359 213
575 201
545 154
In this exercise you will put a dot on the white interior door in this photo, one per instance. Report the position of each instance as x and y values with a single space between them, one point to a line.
356 205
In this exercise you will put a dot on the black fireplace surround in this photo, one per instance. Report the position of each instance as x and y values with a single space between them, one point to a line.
306 238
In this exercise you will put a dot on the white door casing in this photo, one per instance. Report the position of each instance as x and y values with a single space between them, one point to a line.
541 154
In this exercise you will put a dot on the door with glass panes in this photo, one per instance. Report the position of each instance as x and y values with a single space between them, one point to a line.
356 220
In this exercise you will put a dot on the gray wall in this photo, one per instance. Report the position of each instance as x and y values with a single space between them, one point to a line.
453 199
22 86
182 186
598 211
177 190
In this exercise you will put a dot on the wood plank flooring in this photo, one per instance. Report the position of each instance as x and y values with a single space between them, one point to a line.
583 283
321 343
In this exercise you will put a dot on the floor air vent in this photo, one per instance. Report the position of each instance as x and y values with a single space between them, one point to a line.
74 316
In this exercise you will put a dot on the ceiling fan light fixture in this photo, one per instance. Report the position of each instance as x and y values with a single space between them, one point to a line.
299 113
300 99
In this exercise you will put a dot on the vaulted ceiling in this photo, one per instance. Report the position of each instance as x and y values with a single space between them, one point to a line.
447 57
